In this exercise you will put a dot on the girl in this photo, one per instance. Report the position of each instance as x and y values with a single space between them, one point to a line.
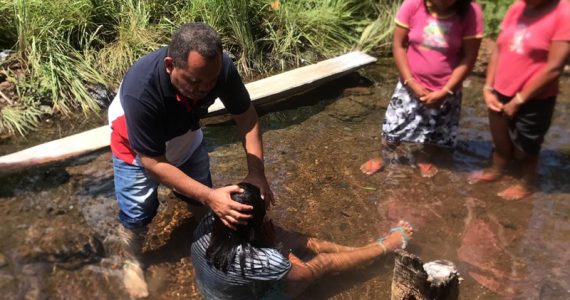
435 46
258 262
521 86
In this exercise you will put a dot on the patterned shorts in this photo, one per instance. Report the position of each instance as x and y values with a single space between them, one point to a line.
408 120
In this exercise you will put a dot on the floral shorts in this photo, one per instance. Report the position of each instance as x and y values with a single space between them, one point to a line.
408 120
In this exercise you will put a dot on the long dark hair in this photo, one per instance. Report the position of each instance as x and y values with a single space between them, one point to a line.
461 7
223 246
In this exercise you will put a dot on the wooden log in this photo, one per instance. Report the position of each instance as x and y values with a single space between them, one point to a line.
276 87
412 279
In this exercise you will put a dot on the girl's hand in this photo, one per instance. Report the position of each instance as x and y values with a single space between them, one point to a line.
418 89
492 101
510 109
434 99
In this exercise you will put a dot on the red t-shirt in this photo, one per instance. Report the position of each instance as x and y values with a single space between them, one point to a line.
524 43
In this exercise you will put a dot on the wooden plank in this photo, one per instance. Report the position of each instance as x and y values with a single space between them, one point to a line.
262 91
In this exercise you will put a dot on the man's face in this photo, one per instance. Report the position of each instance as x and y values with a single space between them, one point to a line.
199 76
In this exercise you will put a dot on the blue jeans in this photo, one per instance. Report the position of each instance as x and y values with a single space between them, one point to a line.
136 191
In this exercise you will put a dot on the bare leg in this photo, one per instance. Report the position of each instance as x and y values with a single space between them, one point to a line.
502 151
303 274
427 169
527 186
374 164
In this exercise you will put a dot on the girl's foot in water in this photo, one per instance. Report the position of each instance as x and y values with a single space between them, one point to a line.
427 170
398 237
372 166
516 192
488 175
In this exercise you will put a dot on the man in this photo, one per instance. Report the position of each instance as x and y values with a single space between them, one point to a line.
156 137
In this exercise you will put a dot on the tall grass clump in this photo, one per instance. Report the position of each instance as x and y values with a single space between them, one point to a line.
238 23
131 34
311 29
52 48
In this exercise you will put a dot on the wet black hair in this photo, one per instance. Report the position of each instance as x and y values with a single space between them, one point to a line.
199 37
224 243
461 7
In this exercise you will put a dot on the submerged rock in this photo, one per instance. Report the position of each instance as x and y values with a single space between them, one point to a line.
67 246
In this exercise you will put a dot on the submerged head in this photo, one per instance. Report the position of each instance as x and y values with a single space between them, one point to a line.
225 242
194 60
250 196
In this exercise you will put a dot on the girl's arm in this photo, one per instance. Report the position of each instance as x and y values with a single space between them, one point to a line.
469 51
399 50
491 99
557 55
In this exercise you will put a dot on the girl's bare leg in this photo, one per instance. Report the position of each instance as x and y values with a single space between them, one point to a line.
304 273
527 186
502 150
427 168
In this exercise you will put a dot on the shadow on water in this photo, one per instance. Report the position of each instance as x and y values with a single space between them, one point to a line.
314 146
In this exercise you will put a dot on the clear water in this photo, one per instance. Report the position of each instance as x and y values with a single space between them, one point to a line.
314 146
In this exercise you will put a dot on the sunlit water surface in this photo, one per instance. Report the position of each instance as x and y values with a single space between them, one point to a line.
58 239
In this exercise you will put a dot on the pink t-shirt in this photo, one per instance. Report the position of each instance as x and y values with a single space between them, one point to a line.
523 46
434 48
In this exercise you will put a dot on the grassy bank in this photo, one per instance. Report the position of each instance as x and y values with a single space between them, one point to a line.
63 51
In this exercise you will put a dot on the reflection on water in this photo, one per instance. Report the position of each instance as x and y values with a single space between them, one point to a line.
504 250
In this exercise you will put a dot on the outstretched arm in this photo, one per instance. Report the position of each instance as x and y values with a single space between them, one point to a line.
248 125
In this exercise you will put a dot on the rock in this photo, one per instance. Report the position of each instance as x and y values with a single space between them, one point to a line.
67 246
348 110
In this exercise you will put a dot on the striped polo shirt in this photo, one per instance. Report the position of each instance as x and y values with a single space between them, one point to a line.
261 276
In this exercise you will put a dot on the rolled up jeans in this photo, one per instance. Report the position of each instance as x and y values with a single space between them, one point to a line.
136 190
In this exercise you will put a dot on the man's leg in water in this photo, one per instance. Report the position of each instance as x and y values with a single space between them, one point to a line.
302 274
137 198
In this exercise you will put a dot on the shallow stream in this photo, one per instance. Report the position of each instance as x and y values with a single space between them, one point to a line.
57 222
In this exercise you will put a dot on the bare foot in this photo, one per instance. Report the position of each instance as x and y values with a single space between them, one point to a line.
372 166
398 236
516 192
488 175
133 279
427 170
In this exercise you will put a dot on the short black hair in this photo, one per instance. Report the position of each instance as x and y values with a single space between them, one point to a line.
196 36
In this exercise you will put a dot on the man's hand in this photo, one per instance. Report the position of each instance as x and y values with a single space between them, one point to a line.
510 109
259 180
434 99
492 101
231 213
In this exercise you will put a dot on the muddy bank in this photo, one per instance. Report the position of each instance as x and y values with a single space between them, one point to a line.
58 222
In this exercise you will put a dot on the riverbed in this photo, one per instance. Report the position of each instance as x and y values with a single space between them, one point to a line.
58 221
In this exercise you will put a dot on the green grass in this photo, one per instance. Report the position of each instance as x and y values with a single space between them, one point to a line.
65 48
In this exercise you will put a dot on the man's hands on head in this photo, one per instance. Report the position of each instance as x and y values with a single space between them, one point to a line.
259 180
230 212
